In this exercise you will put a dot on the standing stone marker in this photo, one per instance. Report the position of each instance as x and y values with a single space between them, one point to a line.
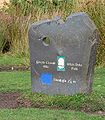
63 55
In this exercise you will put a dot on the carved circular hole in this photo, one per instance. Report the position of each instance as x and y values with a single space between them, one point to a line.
46 41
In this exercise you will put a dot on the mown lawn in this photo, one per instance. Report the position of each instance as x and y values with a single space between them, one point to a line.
15 81
10 59
21 82
45 114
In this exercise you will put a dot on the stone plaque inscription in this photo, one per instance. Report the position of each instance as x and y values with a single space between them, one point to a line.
63 54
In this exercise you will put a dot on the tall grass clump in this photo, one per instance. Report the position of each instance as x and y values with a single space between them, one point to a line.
96 10
24 12
2 40
4 37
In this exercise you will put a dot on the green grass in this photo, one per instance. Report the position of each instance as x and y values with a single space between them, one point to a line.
7 59
15 81
45 114
99 82
21 82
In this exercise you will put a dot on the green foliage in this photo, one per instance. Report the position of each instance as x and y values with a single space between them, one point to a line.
24 12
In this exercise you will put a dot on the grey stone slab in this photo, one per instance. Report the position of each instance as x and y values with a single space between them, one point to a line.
63 55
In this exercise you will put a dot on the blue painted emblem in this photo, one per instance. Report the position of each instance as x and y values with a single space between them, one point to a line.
46 78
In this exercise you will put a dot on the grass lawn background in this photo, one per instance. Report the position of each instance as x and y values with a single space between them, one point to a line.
10 59
45 114
21 82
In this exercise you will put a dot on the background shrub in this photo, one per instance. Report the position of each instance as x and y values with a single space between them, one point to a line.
21 13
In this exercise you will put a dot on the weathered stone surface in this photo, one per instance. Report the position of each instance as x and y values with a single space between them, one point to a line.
63 55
